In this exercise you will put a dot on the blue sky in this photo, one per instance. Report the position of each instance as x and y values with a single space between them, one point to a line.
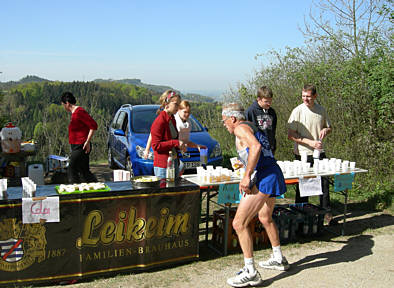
189 45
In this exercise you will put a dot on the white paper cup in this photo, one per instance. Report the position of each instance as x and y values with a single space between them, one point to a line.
305 167
3 184
289 169
352 165
316 167
118 175
125 175
345 167
304 156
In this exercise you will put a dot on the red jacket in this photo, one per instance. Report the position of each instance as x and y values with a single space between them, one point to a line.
80 124
162 141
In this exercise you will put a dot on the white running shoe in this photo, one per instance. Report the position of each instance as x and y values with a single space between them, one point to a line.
272 263
244 278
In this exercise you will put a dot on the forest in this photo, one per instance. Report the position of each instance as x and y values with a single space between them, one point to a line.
36 109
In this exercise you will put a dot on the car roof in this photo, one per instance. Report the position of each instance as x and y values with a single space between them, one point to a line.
140 107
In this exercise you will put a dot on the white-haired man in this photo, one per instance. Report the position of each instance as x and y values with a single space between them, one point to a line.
262 183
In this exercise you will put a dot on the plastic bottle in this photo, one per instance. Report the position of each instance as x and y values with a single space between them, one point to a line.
10 138
286 230
316 152
314 227
170 168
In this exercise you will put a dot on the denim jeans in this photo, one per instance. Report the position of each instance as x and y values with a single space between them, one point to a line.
162 172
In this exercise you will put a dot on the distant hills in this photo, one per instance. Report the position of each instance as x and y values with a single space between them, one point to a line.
136 82
25 80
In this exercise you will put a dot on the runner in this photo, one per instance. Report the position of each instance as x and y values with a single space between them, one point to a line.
262 183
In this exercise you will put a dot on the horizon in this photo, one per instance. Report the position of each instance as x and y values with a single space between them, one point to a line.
209 93
199 46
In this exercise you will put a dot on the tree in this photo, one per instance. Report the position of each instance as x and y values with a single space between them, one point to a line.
350 24
350 60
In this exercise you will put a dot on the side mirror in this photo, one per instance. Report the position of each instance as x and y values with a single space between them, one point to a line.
119 132
206 129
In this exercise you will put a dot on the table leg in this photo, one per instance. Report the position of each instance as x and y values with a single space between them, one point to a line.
227 211
207 215
344 212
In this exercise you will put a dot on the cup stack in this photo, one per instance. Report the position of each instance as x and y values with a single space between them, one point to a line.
3 188
28 187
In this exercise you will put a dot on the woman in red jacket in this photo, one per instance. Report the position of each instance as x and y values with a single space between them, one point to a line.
80 132
165 135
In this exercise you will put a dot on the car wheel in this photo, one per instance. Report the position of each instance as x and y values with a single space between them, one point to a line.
129 166
111 162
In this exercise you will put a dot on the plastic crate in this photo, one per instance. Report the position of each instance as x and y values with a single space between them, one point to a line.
55 163
313 218
286 222
260 237
218 236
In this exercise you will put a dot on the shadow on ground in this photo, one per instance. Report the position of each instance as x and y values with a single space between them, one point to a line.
355 226
355 248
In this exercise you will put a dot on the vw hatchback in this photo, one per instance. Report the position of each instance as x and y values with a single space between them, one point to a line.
129 132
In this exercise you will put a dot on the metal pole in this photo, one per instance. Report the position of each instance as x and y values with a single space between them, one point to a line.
344 213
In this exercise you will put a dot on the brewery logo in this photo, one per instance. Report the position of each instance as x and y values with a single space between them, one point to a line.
21 244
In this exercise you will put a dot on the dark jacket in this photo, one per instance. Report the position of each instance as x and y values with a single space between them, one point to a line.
265 120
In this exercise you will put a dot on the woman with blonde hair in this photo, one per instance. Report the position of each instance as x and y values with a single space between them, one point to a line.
184 127
164 134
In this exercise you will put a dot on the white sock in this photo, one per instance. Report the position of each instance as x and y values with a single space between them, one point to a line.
249 263
277 253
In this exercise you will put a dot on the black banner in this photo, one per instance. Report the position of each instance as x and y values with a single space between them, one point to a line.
100 235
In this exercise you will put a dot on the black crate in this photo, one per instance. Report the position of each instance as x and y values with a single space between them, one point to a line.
313 218
286 222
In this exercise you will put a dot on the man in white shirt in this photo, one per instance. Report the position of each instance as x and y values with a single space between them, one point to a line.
308 125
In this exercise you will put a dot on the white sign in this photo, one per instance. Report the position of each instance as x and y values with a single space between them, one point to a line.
34 210
310 186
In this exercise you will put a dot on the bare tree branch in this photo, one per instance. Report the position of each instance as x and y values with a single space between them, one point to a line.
347 23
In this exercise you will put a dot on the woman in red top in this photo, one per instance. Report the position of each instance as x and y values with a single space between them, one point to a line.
80 132
165 135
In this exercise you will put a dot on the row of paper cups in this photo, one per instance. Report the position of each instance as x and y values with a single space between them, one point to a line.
297 167
212 175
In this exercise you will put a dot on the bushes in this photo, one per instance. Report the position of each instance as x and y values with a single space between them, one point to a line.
357 94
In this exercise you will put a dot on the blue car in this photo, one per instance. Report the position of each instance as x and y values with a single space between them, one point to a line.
128 135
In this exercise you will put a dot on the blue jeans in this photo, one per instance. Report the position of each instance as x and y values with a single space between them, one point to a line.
162 172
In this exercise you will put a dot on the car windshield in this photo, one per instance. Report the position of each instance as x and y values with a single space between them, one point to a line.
143 119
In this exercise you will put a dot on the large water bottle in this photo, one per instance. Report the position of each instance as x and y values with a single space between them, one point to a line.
203 156
170 168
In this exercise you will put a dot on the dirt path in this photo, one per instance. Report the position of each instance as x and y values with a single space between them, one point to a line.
362 258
